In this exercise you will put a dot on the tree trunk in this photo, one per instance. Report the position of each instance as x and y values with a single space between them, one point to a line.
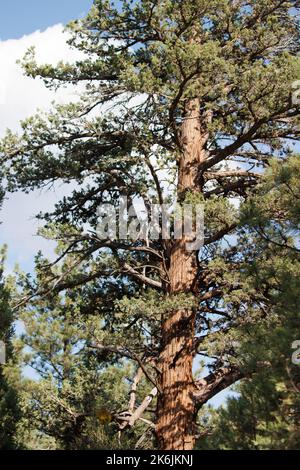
176 407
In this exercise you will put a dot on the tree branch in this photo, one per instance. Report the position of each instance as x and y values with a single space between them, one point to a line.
215 382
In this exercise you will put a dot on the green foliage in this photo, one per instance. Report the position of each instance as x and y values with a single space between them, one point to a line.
9 396
265 415
73 381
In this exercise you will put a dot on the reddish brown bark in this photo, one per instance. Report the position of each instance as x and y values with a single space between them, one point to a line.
176 406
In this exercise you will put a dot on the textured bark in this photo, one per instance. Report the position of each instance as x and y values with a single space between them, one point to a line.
193 139
176 406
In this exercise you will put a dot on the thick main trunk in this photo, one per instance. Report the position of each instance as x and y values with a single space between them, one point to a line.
176 407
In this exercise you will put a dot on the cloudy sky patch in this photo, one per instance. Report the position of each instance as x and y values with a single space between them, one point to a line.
20 97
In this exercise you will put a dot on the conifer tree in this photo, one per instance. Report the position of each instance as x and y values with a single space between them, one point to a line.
76 394
201 92
266 413
9 397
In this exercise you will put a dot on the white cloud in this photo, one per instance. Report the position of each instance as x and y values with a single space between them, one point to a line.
20 96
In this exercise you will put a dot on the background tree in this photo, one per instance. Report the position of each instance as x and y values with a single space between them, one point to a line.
266 414
9 372
198 91
76 395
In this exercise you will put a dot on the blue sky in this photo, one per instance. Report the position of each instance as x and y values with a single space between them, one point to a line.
19 17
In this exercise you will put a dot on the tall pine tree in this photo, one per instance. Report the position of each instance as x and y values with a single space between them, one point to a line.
201 92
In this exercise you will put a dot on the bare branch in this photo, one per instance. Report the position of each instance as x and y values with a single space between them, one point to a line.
135 382
140 277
